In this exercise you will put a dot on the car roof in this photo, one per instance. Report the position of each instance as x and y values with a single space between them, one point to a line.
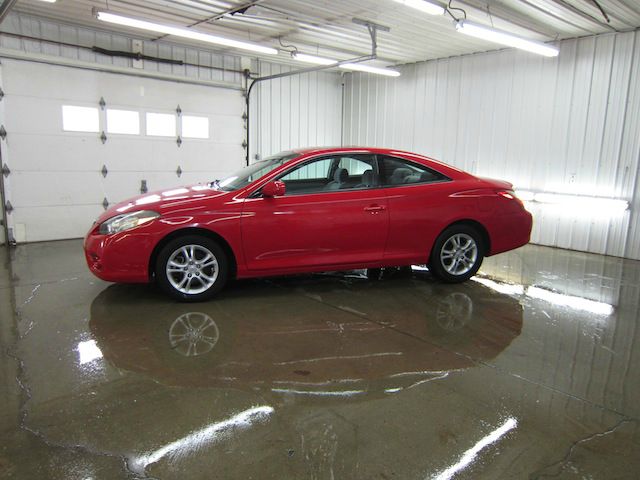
378 150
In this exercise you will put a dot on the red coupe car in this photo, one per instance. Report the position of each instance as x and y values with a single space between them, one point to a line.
307 211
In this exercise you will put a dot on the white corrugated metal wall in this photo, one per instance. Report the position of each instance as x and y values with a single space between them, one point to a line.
297 111
567 124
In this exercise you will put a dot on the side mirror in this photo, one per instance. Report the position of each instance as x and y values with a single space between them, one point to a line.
274 189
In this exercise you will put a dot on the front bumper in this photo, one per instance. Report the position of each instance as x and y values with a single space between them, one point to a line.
122 257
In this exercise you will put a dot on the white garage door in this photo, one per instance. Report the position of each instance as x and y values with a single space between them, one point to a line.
57 187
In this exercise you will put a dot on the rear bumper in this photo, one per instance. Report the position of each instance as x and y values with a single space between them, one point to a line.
122 257
511 231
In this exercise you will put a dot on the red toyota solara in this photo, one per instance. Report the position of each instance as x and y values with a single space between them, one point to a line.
308 211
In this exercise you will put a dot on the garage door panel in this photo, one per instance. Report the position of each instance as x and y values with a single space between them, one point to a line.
44 223
53 153
227 130
118 186
37 189
126 154
39 116
206 157
218 157
26 79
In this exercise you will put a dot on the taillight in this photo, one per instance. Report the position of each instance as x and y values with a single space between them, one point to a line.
510 195
507 194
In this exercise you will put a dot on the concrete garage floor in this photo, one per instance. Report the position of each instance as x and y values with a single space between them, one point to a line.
325 376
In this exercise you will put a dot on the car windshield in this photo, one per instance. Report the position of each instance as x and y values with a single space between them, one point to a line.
244 177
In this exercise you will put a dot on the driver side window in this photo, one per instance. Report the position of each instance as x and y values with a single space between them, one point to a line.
327 174
308 178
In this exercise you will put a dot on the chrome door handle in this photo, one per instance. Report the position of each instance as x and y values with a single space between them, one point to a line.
374 208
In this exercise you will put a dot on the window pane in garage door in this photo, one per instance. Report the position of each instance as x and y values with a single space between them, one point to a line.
161 124
80 119
123 121
195 127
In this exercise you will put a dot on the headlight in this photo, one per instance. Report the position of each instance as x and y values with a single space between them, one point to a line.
126 221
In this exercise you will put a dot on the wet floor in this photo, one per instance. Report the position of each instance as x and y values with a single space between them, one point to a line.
532 370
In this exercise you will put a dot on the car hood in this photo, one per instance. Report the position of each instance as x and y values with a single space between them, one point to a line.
164 201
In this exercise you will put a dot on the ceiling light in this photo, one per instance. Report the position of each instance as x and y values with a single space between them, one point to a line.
183 32
423 6
368 69
303 57
505 38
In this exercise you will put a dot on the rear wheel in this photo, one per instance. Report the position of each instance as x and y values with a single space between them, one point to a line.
457 254
192 268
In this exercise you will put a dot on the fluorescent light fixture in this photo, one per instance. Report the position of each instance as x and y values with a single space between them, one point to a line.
423 6
504 38
470 455
576 303
366 68
183 32
303 57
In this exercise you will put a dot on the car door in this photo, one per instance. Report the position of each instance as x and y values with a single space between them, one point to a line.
333 214
418 203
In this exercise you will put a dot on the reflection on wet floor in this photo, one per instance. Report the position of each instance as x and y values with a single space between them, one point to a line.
529 371
335 335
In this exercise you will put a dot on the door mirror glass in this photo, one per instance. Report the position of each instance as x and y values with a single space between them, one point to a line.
274 189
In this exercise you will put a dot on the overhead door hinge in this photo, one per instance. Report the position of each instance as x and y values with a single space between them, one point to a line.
143 186
5 170
105 203
179 171
104 171
8 207
1 94
3 132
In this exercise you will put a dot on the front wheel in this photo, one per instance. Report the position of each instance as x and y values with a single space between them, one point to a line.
192 268
457 254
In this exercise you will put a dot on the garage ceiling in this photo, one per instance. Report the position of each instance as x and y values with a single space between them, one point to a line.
325 28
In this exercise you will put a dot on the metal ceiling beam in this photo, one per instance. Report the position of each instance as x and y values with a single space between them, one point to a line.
217 16
5 8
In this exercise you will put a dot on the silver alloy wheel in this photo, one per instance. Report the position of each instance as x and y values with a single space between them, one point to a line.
459 254
193 334
192 269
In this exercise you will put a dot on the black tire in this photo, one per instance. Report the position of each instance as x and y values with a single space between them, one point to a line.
201 281
453 264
